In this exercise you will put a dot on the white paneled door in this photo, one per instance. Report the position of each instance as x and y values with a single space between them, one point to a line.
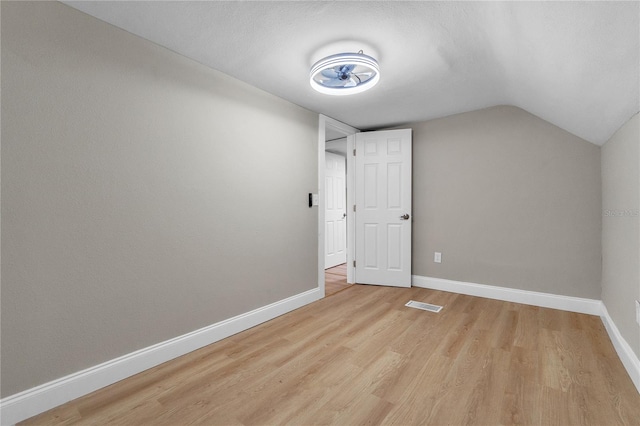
335 234
383 208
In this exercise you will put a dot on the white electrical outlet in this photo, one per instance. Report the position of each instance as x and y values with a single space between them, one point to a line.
638 312
437 257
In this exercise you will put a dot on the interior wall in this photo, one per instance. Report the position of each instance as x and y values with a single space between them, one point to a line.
621 229
509 200
144 195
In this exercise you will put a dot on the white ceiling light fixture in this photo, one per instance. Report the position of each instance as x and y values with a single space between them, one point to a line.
344 74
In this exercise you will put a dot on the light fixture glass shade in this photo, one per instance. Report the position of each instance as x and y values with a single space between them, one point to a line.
344 74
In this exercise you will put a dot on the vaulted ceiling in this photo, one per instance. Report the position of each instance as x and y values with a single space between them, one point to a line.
574 64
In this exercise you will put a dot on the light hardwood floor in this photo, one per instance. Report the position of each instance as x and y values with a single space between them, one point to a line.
335 279
362 357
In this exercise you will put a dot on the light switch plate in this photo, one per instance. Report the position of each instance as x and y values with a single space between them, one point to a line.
315 199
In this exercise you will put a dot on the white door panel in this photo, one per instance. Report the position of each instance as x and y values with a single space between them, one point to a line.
383 198
335 212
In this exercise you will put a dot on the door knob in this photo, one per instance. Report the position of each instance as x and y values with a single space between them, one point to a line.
344 215
405 217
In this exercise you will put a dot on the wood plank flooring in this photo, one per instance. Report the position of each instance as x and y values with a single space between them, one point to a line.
335 279
362 357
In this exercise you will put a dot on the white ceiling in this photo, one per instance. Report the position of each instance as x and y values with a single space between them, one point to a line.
574 64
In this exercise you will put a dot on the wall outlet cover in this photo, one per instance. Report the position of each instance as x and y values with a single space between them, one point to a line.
437 257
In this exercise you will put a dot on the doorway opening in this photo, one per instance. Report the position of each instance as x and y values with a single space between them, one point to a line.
335 215
378 181
335 224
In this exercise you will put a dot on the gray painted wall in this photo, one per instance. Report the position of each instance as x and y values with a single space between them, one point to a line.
144 196
510 200
621 229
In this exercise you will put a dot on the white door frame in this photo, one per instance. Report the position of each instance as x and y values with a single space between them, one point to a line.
325 122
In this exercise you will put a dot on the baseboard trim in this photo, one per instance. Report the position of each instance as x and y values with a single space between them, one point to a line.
625 353
31 402
545 300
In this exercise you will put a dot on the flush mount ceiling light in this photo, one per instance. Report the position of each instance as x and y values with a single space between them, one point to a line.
344 74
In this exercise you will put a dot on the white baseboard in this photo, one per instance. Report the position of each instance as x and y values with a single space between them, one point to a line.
566 303
21 406
544 300
627 356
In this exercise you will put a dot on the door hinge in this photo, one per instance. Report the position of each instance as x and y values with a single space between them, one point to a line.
354 263
354 207
354 152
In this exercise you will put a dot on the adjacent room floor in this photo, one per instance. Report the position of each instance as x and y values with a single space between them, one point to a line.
335 279
361 356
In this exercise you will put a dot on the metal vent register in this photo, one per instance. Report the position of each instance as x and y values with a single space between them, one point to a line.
423 306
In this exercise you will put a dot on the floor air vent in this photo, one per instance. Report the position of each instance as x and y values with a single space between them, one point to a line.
423 306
